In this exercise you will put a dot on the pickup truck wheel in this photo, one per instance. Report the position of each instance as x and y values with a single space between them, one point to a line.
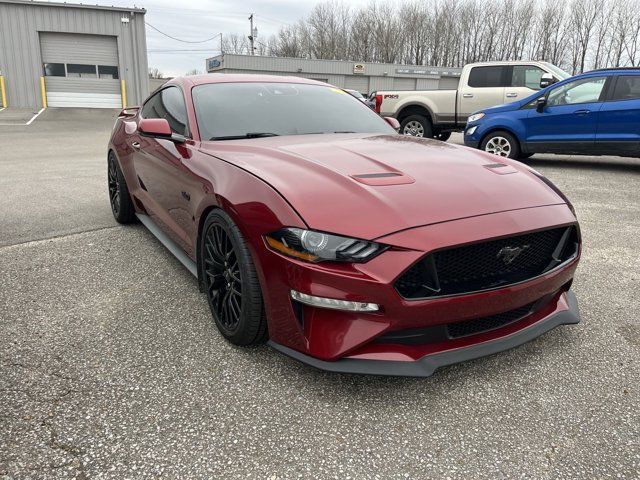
502 144
416 126
442 136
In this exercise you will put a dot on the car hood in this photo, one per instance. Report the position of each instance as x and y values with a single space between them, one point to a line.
368 186
507 107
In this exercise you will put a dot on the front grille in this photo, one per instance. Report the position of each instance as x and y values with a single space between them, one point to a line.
485 324
487 265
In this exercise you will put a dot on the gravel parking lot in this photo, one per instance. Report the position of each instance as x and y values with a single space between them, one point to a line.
111 367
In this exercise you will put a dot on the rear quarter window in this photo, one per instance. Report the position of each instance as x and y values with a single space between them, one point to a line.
627 88
485 77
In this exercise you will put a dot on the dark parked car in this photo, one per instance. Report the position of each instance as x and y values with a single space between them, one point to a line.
596 113
344 244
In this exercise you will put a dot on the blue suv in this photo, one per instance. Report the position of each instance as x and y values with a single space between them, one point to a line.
595 113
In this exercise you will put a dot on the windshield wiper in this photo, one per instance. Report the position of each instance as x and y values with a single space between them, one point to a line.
246 135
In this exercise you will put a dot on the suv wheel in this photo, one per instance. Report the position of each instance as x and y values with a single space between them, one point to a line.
502 144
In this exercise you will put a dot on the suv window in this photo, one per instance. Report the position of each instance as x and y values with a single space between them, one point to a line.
482 77
627 88
526 76
585 90
168 104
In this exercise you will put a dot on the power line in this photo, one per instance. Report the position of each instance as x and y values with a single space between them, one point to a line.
180 40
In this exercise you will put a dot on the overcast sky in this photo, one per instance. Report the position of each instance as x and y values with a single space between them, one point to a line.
201 19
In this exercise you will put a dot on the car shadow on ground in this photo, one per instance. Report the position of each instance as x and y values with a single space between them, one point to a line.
620 164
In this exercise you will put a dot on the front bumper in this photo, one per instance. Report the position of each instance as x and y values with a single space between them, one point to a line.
328 338
565 312
472 135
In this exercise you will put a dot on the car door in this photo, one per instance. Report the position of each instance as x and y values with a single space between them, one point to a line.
619 118
568 121
162 168
484 88
524 80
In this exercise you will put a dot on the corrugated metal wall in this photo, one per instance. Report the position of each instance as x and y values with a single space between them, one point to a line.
20 55
376 76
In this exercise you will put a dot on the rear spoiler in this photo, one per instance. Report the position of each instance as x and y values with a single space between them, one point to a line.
129 112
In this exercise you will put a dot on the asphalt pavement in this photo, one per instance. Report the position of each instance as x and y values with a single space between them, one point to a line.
111 367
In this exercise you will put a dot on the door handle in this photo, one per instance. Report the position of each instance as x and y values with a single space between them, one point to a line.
135 145
511 95
467 95
582 112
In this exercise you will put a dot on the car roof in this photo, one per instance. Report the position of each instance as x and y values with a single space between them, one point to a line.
209 78
615 69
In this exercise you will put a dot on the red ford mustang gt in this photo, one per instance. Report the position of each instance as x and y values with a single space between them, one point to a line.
309 222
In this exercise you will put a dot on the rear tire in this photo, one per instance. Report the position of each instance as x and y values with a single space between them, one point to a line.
231 282
416 126
502 144
119 198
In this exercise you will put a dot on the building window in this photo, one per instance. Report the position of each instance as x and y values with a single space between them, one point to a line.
82 71
54 70
108 71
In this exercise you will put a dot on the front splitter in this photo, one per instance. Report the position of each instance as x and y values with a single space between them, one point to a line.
427 365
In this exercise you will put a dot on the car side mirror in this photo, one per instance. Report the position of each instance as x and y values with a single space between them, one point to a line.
540 104
547 79
158 128
394 123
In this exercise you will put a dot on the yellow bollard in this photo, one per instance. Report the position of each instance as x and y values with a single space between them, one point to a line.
43 92
123 93
3 92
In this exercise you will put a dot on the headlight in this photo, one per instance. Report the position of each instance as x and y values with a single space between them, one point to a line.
475 117
313 246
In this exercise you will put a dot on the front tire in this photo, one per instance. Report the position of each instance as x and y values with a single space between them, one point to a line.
231 282
119 198
416 126
502 144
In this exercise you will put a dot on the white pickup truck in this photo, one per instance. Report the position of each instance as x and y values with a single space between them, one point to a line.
437 113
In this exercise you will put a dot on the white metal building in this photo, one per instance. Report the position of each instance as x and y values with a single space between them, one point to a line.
361 76
72 55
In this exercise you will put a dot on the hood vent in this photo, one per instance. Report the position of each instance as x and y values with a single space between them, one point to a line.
383 178
500 168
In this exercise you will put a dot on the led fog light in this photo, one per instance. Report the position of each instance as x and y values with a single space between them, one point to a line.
323 302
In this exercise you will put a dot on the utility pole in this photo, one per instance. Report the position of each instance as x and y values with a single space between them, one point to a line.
251 39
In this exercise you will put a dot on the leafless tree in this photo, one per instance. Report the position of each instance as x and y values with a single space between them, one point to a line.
155 73
574 35
235 43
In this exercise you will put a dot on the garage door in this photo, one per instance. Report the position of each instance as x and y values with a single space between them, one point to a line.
81 70
358 83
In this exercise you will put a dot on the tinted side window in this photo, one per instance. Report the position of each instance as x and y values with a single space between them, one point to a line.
168 104
487 77
526 76
627 88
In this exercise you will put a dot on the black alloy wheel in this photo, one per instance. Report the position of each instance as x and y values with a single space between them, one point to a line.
231 282
119 198
114 187
223 278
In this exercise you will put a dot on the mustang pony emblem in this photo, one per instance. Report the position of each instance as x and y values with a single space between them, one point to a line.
509 254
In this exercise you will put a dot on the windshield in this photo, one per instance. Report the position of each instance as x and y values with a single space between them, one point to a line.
557 71
355 93
265 109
